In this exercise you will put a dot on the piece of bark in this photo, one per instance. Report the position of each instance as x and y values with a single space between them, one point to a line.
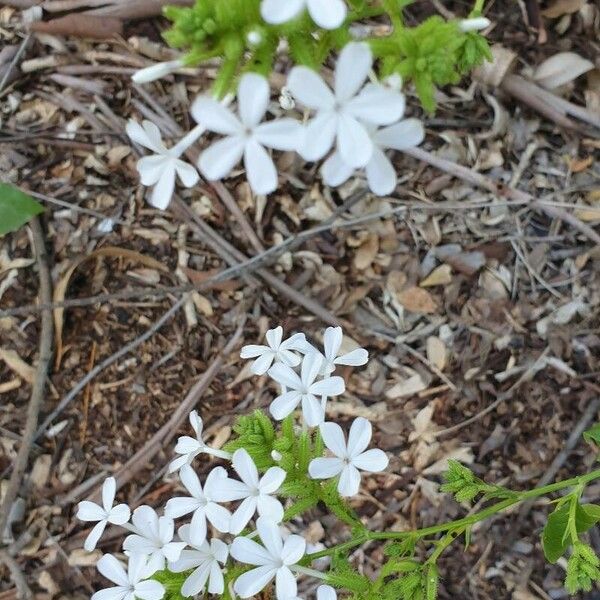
81 25
137 9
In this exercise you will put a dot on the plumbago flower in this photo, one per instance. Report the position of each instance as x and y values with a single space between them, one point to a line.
246 136
277 350
381 175
344 115
257 494
275 559
130 584
328 14
332 342
107 513
159 169
189 447
348 457
201 502
304 389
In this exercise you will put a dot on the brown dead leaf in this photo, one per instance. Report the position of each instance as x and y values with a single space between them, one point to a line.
366 253
578 165
418 300
436 352
441 275
562 7
61 287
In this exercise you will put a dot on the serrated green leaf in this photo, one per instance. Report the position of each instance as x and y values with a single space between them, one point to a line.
16 208
555 540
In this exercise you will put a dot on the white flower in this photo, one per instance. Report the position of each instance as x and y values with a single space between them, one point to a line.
201 502
130 583
342 114
326 592
190 447
154 538
303 389
277 351
381 175
349 458
257 494
328 14
156 71
332 342
160 168
107 513
475 24
204 558
246 136
273 560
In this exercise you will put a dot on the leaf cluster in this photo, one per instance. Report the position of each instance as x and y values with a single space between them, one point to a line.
582 569
465 486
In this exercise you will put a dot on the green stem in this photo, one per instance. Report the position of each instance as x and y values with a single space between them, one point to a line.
478 8
446 541
460 524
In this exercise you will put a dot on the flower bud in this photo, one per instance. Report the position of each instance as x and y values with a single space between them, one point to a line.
476 24
157 71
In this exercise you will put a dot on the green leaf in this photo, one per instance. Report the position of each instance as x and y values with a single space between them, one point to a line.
554 539
592 435
16 208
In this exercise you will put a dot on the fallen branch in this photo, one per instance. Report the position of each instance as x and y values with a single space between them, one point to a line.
39 384
81 25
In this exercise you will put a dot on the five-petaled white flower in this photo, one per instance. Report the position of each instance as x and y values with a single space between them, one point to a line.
345 113
277 350
160 168
204 558
328 14
381 175
189 447
349 458
131 584
257 494
200 502
273 560
246 136
107 513
304 389
154 538
332 342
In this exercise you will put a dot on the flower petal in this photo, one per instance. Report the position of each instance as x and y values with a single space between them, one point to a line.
139 545
277 12
186 444
263 363
377 105
198 529
251 582
271 481
326 592
219 549
188 175
216 117
274 337
333 437
219 516
179 506
356 358
270 536
150 168
381 174
195 583
95 534
325 468
349 482
285 376
149 590
352 69
253 350
332 341
147 136
359 436
136 568
335 171
353 142
219 159
374 460
405 134
282 134
285 584
269 507
312 411
309 89
112 569
216 582
229 489
164 188
311 365
90 511
284 405
332 386
328 14
242 515
260 169
145 520
112 593
249 552
166 529
253 99
172 550
319 136
245 467
188 559
109 489
294 549
119 514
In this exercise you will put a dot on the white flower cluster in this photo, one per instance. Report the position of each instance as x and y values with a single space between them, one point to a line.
354 123
230 501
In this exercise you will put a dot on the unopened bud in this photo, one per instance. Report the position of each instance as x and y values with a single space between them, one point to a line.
156 71
276 456
476 24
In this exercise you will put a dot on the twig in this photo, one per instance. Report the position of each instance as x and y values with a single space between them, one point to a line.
502 191
163 436
107 362
14 61
41 373
23 590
